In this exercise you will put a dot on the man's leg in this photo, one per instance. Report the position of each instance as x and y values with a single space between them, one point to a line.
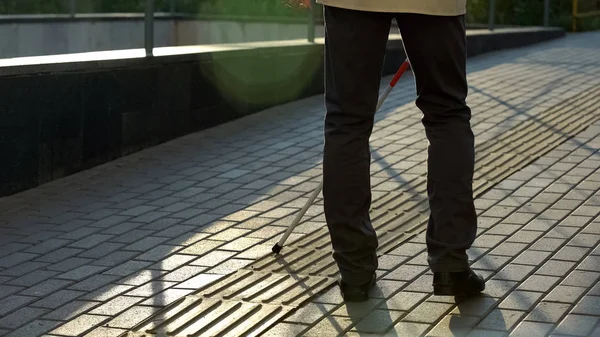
355 45
436 47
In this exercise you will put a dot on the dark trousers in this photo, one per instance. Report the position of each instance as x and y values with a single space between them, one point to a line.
355 45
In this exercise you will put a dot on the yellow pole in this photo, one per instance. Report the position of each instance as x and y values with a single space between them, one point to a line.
574 15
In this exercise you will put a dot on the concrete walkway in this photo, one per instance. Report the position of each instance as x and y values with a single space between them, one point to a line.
188 225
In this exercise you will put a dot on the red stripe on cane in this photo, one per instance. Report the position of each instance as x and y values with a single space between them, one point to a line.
399 74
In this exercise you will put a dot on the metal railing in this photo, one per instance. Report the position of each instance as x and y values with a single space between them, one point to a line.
149 23
577 15
149 19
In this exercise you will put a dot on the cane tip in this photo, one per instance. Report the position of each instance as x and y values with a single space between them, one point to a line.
277 248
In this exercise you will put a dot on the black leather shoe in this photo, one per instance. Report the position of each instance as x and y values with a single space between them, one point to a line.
461 284
357 293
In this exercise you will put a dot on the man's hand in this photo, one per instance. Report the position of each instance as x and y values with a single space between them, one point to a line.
297 3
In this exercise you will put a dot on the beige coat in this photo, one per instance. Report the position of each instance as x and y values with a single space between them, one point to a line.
432 7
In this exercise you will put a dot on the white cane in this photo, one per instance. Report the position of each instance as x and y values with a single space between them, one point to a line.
278 246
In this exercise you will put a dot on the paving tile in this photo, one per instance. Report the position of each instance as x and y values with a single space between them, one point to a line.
132 236
580 278
79 325
142 276
407 329
575 221
166 297
183 273
146 243
6 290
79 233
48 246
227 267
386 288
150 289
520 300
202 247
500 211
501 319
69 264
532 258
57 299
101 250
427 312
71 310
198 281
105 332
562 232
404 301
548 244
14 302
585 240
240 244
329 327
21 317
81 273
525 236
15 259
129 228
35 328
473 307
285 329
127 268
499 288
138 210
59 255
213 258
565 294
514 272
589 305
131 317
405 273
187 239
109 221
591 263
114 259
475 253
91 241
255 252
520 218
539 224
160 252
595 291
94 282
539 283
555 268
532 329
378 321
576 325
453 325
107 292
33 278
573 254
488 240
509 249
116 305
310 313
554 214
548 312
490 262
486 333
